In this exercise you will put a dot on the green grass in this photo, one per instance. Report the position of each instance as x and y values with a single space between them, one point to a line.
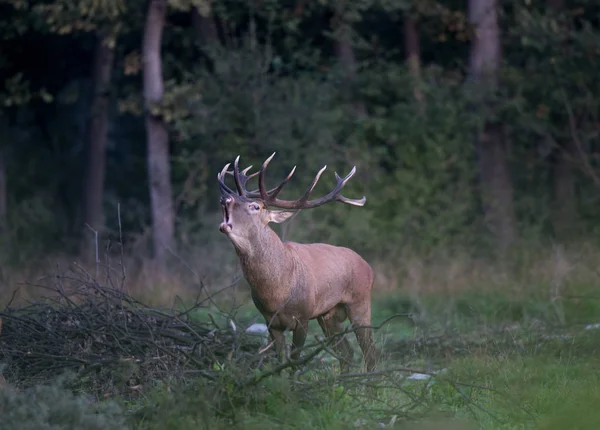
544 392
553 388
512 379
519 380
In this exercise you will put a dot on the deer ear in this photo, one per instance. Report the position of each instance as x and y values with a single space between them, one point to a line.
279 216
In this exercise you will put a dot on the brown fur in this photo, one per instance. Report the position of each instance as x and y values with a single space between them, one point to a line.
293 283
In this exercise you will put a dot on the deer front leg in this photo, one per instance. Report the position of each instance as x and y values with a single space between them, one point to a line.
332 324
300 333
279 339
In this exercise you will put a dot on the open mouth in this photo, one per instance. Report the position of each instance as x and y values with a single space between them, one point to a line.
225 226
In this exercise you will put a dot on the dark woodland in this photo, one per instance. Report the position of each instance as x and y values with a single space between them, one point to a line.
474 126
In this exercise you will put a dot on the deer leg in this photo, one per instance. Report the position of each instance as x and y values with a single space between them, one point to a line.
298 339
360 317
279 339
332 323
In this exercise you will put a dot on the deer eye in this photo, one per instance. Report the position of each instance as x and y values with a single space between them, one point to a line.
254 207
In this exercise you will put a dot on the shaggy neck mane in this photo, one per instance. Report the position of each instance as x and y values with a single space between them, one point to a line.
265 260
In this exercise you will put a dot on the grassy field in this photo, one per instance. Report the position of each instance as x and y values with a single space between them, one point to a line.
514 372
516 354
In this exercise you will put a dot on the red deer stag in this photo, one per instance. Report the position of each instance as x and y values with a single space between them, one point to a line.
292 283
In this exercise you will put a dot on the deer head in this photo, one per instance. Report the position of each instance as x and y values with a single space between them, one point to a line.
246 213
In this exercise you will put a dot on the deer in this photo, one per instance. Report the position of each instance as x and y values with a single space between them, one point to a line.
292 283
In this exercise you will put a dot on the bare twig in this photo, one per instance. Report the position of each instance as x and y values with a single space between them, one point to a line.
82 325
123 269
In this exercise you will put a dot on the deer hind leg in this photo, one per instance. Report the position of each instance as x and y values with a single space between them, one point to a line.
332 323
360 317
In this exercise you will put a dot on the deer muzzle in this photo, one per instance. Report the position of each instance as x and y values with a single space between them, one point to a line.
226 203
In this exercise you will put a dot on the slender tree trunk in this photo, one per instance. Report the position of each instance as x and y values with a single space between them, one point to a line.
412 47
93 191
4 141
484 63
159 170
345 54
565 215
3 192
205 28
496 187
557 5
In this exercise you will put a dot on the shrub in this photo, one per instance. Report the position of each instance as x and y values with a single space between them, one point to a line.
50 407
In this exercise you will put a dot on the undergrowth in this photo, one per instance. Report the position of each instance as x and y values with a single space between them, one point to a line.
465 344
553 388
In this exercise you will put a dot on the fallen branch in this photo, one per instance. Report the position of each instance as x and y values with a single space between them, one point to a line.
80 325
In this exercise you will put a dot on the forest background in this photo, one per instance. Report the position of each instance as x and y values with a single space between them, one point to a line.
474 126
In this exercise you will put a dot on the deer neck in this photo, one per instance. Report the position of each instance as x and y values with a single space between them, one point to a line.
266 261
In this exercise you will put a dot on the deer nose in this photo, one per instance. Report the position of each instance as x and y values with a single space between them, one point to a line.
226 200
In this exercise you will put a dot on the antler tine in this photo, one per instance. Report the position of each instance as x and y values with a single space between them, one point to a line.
224 170
340 198
333 195
304 198
262 192
221 179
236 177
262 189
241 178
270 196
247 169
354 202
273 193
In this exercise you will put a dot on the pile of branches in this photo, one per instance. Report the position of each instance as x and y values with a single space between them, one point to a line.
116 345
93 329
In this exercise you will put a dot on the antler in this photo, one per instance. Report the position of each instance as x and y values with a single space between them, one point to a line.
270 197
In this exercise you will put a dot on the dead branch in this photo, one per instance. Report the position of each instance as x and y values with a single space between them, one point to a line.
83 326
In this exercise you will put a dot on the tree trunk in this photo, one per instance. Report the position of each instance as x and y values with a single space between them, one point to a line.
159 170
557 5
412 47
345 54
93 191
3 192
496 186
564 215
205 28
4 142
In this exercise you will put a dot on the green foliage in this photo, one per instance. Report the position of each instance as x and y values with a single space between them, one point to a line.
533 392
533 376
64 17
34 228
274 403
426 198
53 407
272 83
520 380
17 92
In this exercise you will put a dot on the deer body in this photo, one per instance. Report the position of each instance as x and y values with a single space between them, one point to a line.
293 283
